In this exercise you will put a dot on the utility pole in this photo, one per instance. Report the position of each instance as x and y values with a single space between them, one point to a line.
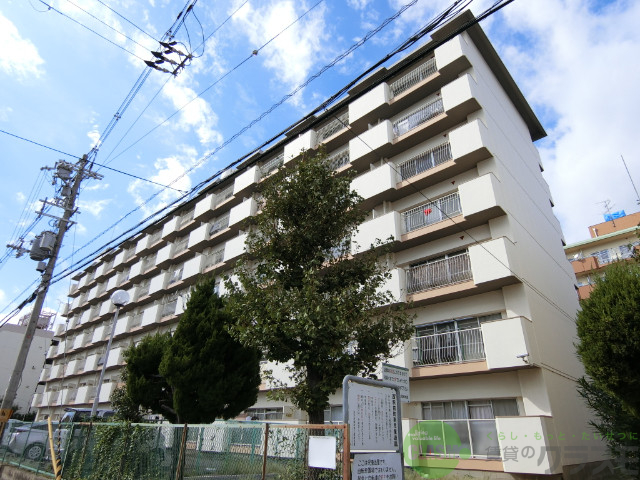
68 193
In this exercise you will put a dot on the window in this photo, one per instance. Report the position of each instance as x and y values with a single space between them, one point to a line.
265 414
439 271
333 414
219 224
180 245
471 421
603 256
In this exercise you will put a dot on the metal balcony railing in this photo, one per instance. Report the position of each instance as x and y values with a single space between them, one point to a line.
155 237
414 77
439 273
448 347
332 127
224 195
214 258
219 225
169 308
339 159
432 212
425 161
418 117
186 218
271 165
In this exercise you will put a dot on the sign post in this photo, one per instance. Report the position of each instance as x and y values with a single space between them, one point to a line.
372 409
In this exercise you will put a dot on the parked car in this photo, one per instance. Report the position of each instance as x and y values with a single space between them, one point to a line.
12 424
30 440
76 415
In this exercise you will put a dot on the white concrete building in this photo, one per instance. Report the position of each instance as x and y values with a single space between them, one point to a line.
442 144
11 337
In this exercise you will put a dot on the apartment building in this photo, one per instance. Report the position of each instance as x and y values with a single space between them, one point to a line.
612 240
442 147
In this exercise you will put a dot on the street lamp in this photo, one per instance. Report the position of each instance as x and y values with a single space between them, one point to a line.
119 298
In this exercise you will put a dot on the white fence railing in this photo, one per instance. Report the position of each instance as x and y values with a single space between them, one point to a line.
448 347
425 161
439 273
414 77
432 212
418 117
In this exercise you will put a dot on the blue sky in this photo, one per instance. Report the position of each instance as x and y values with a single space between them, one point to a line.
577 63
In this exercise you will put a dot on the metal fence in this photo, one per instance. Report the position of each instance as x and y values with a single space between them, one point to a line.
25 445
414 77
222 450
439 273
432 212
418 117
448 347
425 161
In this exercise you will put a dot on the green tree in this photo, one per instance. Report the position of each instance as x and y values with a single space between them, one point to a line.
211 374
305 299
126 409
144 384
609 348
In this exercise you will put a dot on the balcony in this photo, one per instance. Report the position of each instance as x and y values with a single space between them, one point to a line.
439 273
242 211
304 141
384 228
376 185
246 180
425 161
115 357
414 77
234 248
449 347
170 229
432 212
337 160
582 265
271 165
213 258
419 116
331 128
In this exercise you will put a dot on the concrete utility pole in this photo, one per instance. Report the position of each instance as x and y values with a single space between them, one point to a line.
68 193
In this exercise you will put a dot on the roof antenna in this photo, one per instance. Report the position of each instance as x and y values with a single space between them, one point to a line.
631 179
607 208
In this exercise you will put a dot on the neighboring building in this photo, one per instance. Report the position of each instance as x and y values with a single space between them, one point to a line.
11 337
612 240
441 143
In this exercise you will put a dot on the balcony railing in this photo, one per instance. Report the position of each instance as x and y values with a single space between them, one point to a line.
420 116
425 161
478 436
169 308
219 225
413 77
338 160
223 195
155 237
432 212
214 258
332 127
439 273
449 347
272 164
186 218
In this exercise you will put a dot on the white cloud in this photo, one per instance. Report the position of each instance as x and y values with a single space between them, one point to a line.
94 207
18 56
4 113
20 197
170 171
97 186
2 296
292 55
358 4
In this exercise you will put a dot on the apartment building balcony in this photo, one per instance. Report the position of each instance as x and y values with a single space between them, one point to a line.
170 229
61 346
157 284
234 248
335 132
211 205
116 357
100 334
376 185
80 341
37 400
56 371
212 259
584 291
106 391
242 211
381 229
271 165
93 361
86 394
494 345
193 267
481 268
245 182
50 397
584 265
164 257
53 350
150 315
74 366
45 374
304 141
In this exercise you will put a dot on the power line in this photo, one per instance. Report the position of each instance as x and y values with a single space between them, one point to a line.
127 20
106 161
107 25
226 74
90 29
95 163
194 190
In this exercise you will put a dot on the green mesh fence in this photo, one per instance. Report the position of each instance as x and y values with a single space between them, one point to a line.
222 450
26 445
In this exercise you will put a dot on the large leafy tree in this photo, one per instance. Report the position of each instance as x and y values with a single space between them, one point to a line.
211 374
609 347
304 300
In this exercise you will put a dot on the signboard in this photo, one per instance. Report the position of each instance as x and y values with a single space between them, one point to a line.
373 418
398 376
377 466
